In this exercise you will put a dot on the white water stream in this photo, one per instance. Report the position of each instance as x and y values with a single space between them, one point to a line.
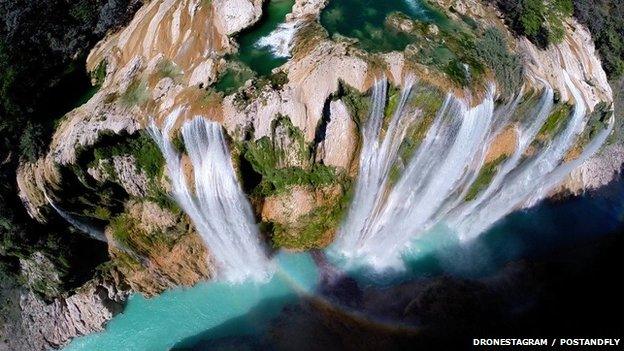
280 40
217 206
384 219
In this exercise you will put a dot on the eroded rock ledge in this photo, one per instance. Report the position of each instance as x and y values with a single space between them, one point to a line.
52 325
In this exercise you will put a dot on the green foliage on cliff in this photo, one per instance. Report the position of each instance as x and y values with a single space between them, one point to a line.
264 158
145 151
486 174
315 229
605 20
357 103
493 51
539 20
99 73
135 94
167 69
555 120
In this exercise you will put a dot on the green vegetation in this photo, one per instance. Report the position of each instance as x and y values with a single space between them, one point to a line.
146 153
597 121
245 96
605 20
127 232
486 174
493 51
314 230
99 73
554 121
539 20
268 170
135 94
167 69
357 103
234 77
266 158
428 101
42 77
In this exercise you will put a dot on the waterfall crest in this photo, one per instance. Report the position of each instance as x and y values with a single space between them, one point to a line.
384 219
217 206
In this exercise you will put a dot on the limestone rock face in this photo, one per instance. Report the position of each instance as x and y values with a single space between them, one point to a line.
306 8
597 171
287 208
340 143
577 56
235 15
53 325
40 274
159 250
130 178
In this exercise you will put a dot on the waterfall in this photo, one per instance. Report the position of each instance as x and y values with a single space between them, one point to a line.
217 206
83 227
384 219
523 183
280 40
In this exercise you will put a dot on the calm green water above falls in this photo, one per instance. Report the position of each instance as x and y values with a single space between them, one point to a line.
252 58
365 20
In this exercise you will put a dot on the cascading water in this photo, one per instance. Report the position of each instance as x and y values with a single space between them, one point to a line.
83 227
529 180
280 40
217 206
383 219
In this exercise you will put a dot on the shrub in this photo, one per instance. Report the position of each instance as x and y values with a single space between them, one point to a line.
539 20
135 94
605 20
493 51
486 174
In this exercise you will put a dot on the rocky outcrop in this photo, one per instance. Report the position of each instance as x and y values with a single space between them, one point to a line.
156 249
53 325
125 173
40 274
234 15
312 78
303 9
289 207
596 172
341 138
577 56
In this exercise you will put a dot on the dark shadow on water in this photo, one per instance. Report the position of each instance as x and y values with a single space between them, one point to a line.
555 270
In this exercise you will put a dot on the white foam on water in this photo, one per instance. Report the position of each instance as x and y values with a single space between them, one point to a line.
280 40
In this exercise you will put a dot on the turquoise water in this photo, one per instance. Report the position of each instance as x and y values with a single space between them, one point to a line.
365 21
178 315
213 312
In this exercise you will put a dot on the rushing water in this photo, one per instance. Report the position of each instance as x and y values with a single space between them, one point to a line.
90 230
263 47
409 223
384 219
216 311
217 206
